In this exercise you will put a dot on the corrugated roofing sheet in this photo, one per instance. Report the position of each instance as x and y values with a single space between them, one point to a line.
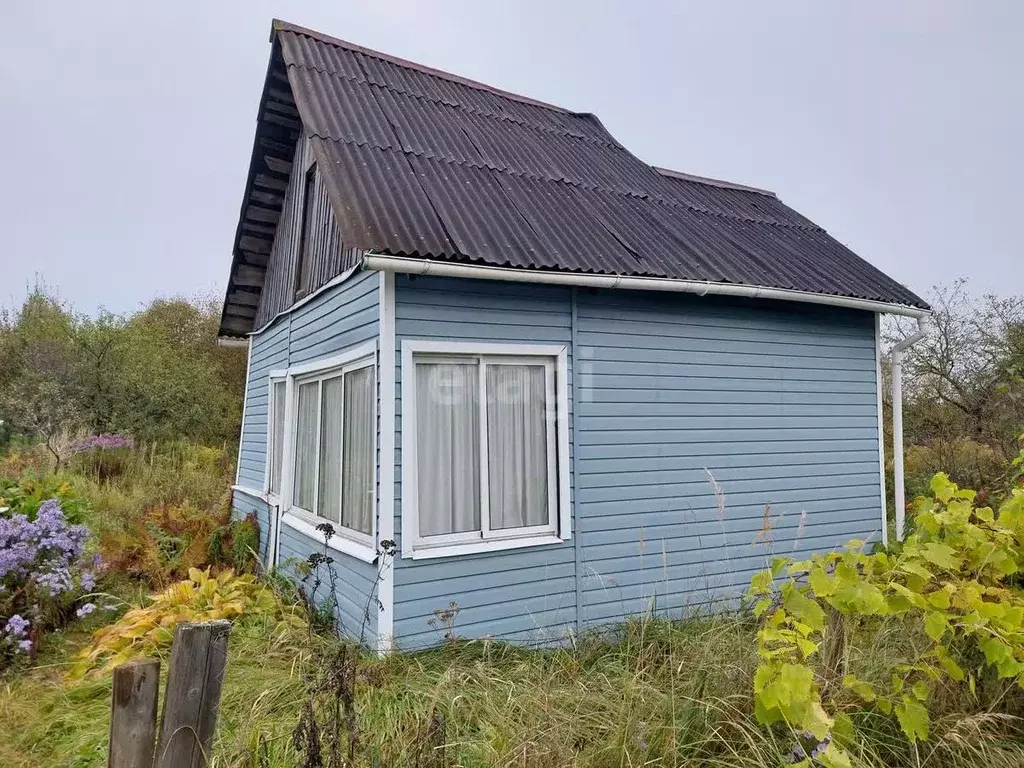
430 165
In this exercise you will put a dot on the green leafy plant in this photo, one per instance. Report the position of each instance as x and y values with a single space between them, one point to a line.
953 577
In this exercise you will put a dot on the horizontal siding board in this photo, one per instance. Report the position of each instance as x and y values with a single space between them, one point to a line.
506 622
713 451
716 463
686 381
729 477
658 327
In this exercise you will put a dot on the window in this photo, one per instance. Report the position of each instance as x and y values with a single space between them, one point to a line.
484 438
334 467
302 262
275 435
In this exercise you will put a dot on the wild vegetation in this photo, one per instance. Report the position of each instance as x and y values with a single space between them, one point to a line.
116 455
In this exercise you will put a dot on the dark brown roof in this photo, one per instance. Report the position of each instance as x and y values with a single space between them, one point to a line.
426 164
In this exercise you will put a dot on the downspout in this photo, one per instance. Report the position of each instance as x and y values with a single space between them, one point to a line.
899 492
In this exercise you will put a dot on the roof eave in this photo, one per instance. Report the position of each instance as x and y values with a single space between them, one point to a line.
416 266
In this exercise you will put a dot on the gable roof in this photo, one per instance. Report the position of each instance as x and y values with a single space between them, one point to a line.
425 164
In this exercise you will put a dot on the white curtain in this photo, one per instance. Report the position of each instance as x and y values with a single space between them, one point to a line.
331 411
358 473
517 446
305 446
276 427
448 447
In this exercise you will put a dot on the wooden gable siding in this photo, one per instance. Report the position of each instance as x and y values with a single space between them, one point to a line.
326 255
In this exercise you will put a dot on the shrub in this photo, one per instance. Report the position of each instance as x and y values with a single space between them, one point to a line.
27 496
201 597
43 571
103 456
952 586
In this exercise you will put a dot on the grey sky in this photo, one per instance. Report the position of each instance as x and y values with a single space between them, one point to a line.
897 126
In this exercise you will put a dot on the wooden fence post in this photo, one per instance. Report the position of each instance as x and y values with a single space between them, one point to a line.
192 699
133 714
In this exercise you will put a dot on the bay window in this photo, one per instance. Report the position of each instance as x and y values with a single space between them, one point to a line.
321 448
481 446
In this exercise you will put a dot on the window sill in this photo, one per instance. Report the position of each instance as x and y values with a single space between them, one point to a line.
337 542
421 552
252 493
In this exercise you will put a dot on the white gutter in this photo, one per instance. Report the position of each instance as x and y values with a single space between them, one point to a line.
699 287
899 492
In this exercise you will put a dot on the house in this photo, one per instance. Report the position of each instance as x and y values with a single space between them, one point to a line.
568 385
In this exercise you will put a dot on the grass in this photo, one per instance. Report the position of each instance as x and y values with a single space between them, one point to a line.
660 693
647 693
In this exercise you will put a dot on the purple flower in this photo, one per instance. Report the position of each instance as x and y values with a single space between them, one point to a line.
25 646
85 610
16 625
101 443
88 580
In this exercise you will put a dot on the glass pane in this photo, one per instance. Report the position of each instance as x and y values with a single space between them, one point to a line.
358 473
305 446
329 500
517 461
448 447
276 427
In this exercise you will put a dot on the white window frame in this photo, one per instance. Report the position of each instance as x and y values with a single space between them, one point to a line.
555 361
275 377
346 540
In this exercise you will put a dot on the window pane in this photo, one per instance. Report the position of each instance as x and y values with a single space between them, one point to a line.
305 446
517 465
448 447
358 473
329 500
276 427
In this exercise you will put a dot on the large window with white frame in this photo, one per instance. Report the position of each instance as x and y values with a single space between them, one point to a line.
322 446
487 461
333 438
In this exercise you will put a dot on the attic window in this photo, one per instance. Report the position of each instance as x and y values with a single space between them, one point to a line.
302 264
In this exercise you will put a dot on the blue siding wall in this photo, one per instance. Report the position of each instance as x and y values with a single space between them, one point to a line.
775 402
528 594
340 318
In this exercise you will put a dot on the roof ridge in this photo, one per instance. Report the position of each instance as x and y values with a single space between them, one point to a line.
610 142
278 25
712 182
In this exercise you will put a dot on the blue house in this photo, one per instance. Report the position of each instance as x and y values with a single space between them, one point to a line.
570 386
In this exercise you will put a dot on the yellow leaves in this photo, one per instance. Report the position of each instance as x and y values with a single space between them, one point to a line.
802 608
202 597
935 625
941 555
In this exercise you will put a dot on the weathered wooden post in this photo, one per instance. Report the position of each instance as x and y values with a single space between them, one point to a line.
192 699
133 714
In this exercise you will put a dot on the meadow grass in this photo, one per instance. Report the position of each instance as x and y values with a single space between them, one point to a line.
653 693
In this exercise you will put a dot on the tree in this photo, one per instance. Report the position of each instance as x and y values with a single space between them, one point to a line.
156 374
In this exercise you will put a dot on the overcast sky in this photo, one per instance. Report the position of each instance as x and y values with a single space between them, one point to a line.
897 126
